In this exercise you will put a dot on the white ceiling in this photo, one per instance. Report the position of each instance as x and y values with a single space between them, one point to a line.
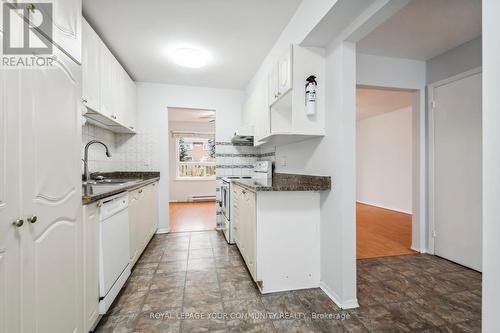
237 34
424 29
372 102
190 115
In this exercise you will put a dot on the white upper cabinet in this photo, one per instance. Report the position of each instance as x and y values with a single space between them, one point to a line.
109 77
285 73
91 68
108 90
66 24
283 118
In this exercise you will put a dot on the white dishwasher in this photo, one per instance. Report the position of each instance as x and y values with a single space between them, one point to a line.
114 254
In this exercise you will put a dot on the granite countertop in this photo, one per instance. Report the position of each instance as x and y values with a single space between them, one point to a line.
92 193
286 182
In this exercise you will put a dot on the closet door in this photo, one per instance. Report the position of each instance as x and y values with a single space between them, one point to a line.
10 204
51 190
457 171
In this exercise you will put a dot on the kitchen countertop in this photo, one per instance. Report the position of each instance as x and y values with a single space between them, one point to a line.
92 193
286 182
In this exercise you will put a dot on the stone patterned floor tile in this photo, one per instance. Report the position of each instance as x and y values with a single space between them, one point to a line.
316 301
148 323
175 255
201 253
160 301
245 313
165 282
128 303
118 323
232 290
296 326
284 304
199 272
172 267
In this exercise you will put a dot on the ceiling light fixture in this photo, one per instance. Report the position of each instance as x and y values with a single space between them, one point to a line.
191 58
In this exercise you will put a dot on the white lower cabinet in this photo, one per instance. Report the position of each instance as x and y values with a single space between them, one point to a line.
143 219
277 234
244 218
91 266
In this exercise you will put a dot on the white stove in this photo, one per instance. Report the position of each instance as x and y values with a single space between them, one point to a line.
225 199
262 169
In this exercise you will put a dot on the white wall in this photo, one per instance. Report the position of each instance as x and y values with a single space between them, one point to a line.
455 61
152 103
384 160
405 74
181 190
491 166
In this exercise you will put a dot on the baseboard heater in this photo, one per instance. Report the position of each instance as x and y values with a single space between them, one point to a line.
202 198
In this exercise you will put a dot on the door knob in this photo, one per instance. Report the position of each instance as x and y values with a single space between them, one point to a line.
18 223
32 219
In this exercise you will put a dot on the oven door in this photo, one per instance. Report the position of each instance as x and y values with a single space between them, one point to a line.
224 196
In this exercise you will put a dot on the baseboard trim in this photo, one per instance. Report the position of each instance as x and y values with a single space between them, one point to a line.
348 304
384 207
162 231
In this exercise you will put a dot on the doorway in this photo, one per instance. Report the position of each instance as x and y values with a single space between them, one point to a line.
384 171
192 180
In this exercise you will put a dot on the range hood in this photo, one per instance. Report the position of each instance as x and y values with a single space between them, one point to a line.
243 135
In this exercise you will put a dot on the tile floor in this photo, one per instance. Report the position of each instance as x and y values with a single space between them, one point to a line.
195 282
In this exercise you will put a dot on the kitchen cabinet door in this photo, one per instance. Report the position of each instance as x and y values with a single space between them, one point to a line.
273 83
90 265
90 67
251 234
285 73
10 202
154 209
135 212
50 124
131 106
108 78
66 20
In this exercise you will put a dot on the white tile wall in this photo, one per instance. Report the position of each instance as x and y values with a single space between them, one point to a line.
136 153
128 152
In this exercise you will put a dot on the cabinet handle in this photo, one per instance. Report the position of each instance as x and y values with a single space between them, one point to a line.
32 219
84 101
131 127
18 223
113 116
140 191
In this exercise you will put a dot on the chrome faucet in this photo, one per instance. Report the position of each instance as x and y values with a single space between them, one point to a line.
86 157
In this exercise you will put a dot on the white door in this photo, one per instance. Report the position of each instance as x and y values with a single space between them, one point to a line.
10 208
457 171
51 191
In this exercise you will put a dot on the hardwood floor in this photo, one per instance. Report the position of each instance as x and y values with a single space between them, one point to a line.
192 216
381 232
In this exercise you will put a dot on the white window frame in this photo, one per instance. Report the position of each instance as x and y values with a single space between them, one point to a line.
177 164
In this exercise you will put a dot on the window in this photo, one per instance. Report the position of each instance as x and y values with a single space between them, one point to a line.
195 158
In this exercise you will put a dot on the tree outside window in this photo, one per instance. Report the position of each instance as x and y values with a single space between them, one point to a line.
195 158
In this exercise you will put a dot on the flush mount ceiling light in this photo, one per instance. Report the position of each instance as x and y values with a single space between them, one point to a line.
191 58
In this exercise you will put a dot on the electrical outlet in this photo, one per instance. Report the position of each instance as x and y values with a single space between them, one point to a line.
283 161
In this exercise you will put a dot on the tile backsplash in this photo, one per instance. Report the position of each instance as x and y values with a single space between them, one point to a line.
137 153
128 152
238 159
